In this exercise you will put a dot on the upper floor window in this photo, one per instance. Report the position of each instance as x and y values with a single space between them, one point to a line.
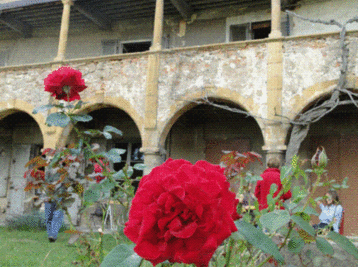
253 30
250 31
110 47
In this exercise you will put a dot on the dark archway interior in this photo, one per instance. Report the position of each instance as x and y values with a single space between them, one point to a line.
337 132
204 131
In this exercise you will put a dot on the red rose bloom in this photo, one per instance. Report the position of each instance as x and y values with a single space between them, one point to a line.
181 213
65 84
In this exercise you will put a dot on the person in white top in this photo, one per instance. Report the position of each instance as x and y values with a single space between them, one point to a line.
332 211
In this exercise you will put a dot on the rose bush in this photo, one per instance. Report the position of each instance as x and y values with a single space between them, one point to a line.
65 83
182 213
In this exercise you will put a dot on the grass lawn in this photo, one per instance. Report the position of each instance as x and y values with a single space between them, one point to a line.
32 249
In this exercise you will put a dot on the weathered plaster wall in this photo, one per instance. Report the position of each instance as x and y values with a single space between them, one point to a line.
123 77
241 69
340 10
310 68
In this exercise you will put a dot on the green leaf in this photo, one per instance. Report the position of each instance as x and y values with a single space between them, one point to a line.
119 175
122 255
55 159
82 118
344 183
79 104
112 129
275 220
92 132
107 186
139 166
92 195
130 171
303 224
258 239
324 246
336 186
285 172
114 155
57 119
107 135
42 108
289 205
237 236
344 243
273 189
296 244
298 193
308 210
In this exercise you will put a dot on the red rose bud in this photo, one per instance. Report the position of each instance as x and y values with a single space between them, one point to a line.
65 84
320 159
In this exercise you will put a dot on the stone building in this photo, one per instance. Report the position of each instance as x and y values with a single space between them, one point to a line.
248 55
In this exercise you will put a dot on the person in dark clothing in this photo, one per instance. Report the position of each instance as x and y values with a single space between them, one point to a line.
270 176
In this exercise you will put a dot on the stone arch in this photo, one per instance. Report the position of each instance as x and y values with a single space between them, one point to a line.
316 91
188 102
99 102
16 105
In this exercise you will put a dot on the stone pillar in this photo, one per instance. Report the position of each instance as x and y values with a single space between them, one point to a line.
158 25
275 131
152 158
275 19
65 23
150 145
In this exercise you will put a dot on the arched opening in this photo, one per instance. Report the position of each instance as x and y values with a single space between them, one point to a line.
130 141
205 131
20 140
337 132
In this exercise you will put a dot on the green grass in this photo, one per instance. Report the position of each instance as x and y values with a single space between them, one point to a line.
32 249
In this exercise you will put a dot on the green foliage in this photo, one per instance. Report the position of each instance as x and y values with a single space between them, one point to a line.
296 244
42 108
344 243
81 118
258 239
324 246
275 220
58 119
122 256
303 224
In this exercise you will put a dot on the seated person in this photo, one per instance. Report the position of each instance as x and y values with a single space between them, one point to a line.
330 212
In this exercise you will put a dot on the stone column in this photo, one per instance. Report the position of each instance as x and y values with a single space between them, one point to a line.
152 158
65 22
274 131
150 148
275 19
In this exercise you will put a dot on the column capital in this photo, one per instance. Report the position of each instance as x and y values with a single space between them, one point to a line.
67 2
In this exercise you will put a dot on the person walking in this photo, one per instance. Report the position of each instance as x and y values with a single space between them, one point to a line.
270 176
54 219
333 211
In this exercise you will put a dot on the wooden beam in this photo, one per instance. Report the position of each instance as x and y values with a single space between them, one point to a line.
183 7
16 25
93 15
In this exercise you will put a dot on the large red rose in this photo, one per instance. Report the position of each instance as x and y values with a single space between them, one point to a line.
65 84
181 213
